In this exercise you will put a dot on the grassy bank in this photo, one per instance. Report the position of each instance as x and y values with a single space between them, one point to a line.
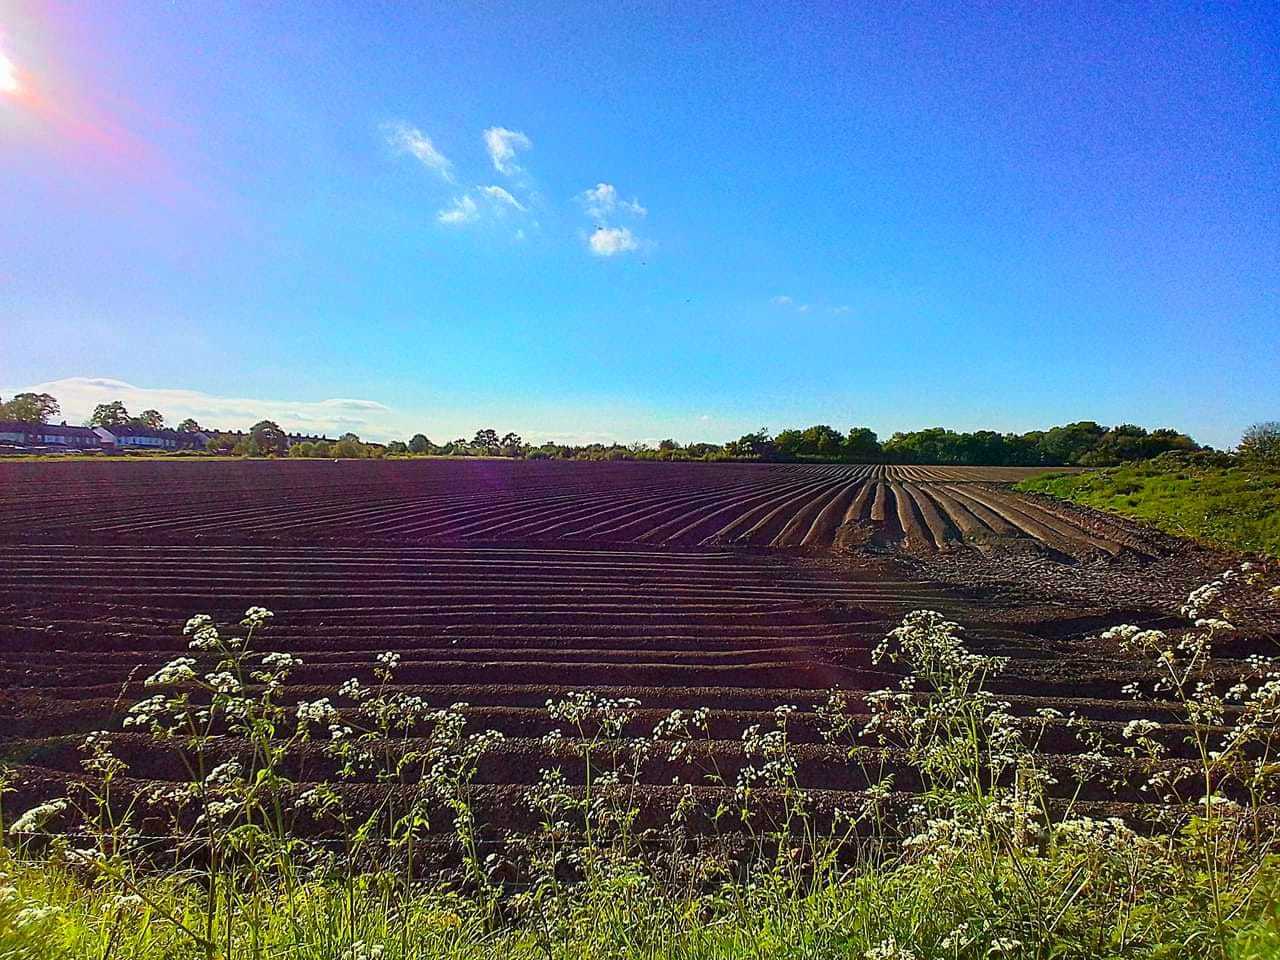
1216 500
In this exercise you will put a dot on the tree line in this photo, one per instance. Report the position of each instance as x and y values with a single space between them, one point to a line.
1084 443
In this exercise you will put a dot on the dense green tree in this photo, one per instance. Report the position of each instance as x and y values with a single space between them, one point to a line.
111 414
759 444
1066 445
862 444
30 408
189 425
151 419
267 437
419 444
1261 443
398 447
486 439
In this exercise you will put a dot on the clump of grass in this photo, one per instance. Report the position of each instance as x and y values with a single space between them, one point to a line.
1215 499
985 856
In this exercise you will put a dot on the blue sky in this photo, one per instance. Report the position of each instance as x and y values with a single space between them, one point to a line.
895 215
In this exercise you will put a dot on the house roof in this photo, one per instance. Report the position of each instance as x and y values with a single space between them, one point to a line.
46 429
131 430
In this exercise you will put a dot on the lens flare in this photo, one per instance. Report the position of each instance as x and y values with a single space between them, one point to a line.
8 76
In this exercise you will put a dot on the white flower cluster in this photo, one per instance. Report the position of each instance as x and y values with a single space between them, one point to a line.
203 633
38 817
255 617
890 950
178 670
281 661
225 774
316 711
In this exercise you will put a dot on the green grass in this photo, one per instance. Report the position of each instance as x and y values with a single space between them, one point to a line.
1215 500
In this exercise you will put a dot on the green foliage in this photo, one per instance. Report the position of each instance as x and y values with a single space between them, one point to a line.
30 408
1261 443
1209 497
190 425
151 419
111 414
266 437
419 444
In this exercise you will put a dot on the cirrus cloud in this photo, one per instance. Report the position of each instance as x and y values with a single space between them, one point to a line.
502 145
411 140
464 210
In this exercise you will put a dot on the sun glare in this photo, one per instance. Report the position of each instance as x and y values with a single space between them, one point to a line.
8 75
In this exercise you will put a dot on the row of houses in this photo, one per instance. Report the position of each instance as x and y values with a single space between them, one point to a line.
47 436
18 433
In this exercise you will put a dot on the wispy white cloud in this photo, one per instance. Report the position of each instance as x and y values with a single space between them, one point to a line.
464 210
602 201
502 145
500 196
411 140
611 241
79 395
782 300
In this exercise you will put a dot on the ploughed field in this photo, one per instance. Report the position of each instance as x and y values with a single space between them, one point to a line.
735 587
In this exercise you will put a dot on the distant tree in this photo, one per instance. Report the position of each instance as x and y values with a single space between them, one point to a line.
398 447
348 449
668 444
111 414
303 449
322 448
267 437
759 444
700 450
862 444
1261 443
486 439
30 408
189 425
221 443
1023 450
419 444
151 419
1070 443
789 444
349 436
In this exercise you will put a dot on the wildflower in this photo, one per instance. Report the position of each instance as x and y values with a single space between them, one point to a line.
222 682
224 774
35 819
178 670
889 950
316 711
256 616
197 623
352 690
1004 947
1140 728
